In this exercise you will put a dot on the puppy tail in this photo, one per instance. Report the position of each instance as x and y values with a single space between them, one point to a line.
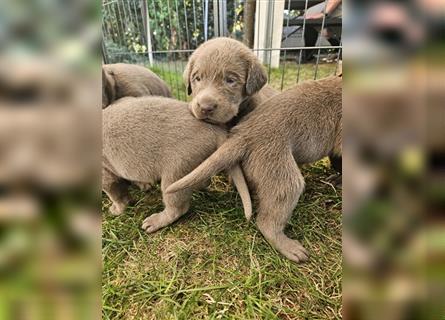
225 157
240 183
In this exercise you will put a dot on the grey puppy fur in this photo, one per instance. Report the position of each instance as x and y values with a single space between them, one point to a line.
152 139
300 125
128 80
225 80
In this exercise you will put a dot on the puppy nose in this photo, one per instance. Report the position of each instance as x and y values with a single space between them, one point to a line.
207 108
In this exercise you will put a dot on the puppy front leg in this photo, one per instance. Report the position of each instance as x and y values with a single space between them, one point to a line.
176 205
117 190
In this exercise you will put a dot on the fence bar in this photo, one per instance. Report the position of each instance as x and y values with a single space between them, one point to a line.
264 49
321 31
216 18
194 24
104 53
154 19
297 48
105 31
301 51
338 57
130 19
235 5
270 26
283 71
140 31
178 24
161 64
206 19
124 26
186 26
222 11
109 3
148 32
120 28
257 25
127 29
172 51
167 52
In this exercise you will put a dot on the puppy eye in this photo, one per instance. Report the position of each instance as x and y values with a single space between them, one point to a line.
230 81
197 79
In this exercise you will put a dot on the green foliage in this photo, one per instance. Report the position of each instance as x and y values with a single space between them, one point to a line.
173 79
174 24
123 27
178 24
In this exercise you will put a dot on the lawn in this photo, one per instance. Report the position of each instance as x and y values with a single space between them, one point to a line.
212 264
287 74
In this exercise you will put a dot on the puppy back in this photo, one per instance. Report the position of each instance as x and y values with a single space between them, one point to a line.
156 132
136 81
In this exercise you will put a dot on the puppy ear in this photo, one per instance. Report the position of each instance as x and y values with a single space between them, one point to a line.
186 75
256 78
108 87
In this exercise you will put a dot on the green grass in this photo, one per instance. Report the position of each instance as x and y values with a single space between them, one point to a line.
171 73
291 71
212 264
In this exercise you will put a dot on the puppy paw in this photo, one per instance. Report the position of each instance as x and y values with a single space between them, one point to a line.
155 222
293 250
117 209
143 186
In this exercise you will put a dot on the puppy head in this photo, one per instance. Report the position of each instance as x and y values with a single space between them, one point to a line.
219 76
108 87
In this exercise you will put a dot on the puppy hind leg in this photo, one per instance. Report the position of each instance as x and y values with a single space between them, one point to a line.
275 209
176 205
117 190
335 155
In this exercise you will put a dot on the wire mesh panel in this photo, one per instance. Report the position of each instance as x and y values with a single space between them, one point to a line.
161 34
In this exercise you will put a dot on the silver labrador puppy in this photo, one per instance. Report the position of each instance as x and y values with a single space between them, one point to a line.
300 125
129 80
152 139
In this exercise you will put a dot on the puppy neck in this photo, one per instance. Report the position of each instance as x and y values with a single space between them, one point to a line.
246 106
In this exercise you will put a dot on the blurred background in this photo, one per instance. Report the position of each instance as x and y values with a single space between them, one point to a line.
49 160
394 164
394 120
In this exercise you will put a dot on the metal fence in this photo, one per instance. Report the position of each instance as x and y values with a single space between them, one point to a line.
162 34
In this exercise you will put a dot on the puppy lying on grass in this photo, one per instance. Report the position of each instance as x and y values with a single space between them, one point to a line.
128 80
151 139
300 125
